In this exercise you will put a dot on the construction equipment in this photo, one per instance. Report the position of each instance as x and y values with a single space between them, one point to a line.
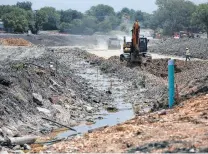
114 43
183 34
136 50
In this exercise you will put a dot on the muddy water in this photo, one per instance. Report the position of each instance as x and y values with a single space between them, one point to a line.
103 82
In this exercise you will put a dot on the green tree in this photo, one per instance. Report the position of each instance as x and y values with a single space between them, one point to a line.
173 15
139 16
16 19
88 31
200 16
105 26
115 22
90 22
6 9
25 5
38 18
53 18
66 27
101 11
147 18
77 26
126 12
69 15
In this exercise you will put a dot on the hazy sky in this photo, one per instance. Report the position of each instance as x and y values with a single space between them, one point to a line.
83 5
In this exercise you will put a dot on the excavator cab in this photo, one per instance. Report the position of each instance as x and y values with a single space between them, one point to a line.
143 45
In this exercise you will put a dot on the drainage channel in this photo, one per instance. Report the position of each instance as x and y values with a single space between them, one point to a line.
103 82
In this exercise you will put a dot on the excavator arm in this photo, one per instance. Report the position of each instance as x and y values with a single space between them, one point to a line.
135 36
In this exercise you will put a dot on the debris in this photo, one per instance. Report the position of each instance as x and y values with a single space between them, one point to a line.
96 100
17 147
3 152
162 112
26 147
5 81
108 92
37 98
73 123
7 132
192 150
112 109
21 140
1 140
19 152
59 108
98 129
46 111
89 108
60 124
51 141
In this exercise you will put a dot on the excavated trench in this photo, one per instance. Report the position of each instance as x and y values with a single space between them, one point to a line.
116 110
121 93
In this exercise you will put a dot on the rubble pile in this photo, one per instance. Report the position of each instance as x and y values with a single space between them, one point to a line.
54 40
193 81
198 47
26 90
14 42
182 129
34 85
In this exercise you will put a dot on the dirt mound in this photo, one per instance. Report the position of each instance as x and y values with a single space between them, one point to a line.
55 40
14 42
159 67
198 47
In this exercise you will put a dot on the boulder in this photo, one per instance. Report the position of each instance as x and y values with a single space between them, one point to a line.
37 98
45 111
88 108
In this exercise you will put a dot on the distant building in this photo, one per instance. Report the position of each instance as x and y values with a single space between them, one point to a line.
1 25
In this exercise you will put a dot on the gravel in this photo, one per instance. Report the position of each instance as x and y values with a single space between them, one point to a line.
198 47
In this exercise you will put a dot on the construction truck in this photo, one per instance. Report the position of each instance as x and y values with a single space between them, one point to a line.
136 50
114 43
183 34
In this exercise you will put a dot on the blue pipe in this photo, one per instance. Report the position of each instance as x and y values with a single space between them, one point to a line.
171 90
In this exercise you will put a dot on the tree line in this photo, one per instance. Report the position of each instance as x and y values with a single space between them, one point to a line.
171 16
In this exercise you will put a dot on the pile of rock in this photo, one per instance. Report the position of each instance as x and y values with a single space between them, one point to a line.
14 42
198 47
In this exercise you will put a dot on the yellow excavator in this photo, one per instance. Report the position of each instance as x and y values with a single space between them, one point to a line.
136 50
